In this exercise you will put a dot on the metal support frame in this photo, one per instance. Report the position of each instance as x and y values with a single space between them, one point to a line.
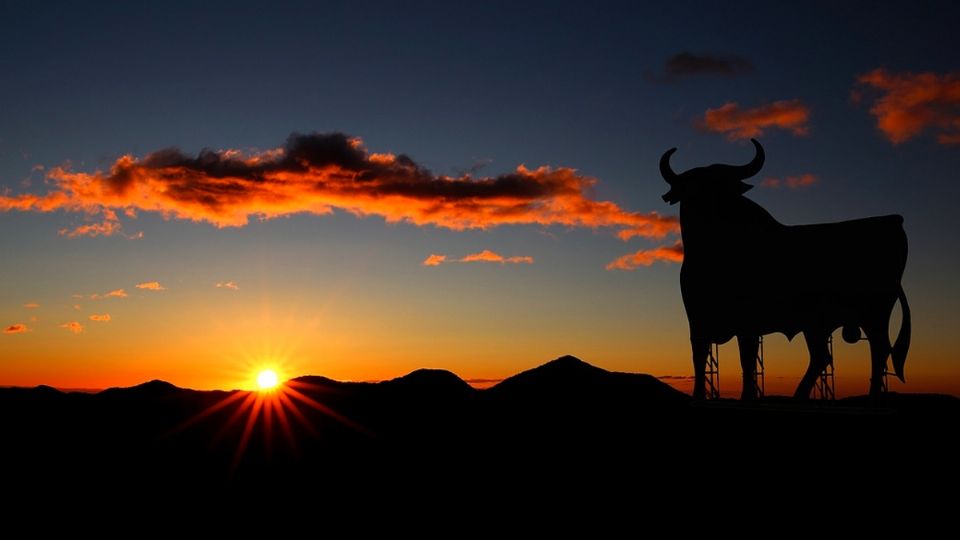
713 371
758 376
825 387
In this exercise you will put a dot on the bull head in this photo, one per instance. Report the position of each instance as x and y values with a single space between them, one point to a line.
711 180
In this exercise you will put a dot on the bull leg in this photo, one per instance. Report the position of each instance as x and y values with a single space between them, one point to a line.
819 354
879 351
748 345
701 348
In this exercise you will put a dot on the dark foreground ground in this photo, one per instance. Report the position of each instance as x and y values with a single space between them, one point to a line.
565 428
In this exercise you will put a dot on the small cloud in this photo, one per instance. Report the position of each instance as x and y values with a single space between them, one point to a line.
739 123
105 317
18 328
118 293
434 260
151 286
686 65
31 305
77 296
76 306
73 326
490 256
646 257
228 285
792 182
910 103
135 236
483 256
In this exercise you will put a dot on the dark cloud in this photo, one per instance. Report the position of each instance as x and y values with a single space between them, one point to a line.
318 174
686 64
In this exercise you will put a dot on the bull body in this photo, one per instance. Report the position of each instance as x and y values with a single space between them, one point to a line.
745 274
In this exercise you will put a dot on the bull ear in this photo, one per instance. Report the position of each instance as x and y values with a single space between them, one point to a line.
673 196
743 187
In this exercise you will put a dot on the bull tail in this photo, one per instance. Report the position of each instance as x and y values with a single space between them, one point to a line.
900 347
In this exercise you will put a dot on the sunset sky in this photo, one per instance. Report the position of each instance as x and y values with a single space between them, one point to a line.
194 192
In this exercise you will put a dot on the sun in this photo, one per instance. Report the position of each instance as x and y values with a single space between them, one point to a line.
267 379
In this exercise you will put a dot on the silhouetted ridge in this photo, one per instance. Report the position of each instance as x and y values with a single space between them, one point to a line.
570 377
435 381
154 388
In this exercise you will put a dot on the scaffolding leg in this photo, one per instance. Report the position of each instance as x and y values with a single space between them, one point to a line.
825 387
713 372
758 375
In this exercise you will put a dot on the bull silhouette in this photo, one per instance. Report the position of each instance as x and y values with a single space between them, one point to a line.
745 274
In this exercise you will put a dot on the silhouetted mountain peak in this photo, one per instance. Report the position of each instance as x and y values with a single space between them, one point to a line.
568 376
432 381
154 388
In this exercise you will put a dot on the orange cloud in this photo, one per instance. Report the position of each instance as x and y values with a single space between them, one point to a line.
31 305
434 260
100 318
646 257
228 285
118 293
792 182
318 174
489 256
739 123
483 256
18 328
73 326
151 286
910 103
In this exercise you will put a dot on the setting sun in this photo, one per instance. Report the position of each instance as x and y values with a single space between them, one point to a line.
267 379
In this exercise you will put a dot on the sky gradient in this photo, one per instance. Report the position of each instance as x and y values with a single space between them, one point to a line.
361 189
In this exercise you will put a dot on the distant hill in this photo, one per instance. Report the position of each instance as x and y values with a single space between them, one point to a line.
564 419
569 377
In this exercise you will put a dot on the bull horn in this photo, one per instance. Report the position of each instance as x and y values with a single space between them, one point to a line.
665 169
750 169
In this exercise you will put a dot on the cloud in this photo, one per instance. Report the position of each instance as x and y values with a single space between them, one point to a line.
483 256
738 123
73 326
319 174
687 64
151 286
646 257
792 182
910 103
489 256
31 305
118 293
18 328
434 260
105 317
228 285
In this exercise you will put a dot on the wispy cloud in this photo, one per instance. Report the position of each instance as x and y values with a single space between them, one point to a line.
117 293
151 286
792 182
910 103
320 173
486 256
228 285
103 317
687 65
73 326
18 328
743 123
31 305
646 257
434 260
